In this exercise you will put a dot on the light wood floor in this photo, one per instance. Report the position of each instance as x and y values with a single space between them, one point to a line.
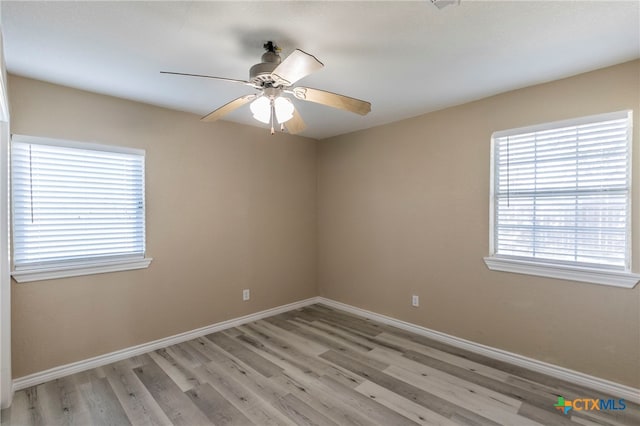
314 366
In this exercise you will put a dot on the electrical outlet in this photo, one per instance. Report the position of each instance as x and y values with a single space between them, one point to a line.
246 294
415 301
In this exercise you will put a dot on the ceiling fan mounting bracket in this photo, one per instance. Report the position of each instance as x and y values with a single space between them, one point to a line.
271 47
260 74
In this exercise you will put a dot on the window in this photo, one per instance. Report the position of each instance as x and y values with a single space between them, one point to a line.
561 200
77 208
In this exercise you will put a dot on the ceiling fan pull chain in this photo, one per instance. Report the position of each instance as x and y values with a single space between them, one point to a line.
273 114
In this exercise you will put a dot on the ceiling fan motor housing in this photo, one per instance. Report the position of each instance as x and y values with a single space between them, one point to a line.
260 74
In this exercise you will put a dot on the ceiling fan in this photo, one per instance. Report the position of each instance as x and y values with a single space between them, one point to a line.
274 78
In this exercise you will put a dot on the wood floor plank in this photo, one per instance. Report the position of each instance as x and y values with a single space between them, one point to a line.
259 411
275 392
406 390
307 369
336 319
187 359
137 361
299 358
403 406
255 361
175 404
224 364
478 402
178 373
199 357
379 413
292 361
321 397
138 403
319 401
548 391
626 418
287 338
100 399
332 339
360 323
280 321
216 407
21 412
207 348
301 413
272 354
544 417
533 398
61 401
505 367
451 384
586 422
445 357
336 344
354 336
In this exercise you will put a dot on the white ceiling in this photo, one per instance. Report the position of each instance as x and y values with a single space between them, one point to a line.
406 58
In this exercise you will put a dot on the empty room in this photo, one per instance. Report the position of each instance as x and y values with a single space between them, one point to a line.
320 212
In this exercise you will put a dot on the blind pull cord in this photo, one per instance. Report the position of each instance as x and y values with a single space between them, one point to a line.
508 178
31 184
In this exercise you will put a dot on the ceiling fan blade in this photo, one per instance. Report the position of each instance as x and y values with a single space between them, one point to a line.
332 99
247 83
295 66
227 108
295 124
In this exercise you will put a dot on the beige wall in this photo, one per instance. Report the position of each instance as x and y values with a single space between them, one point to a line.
404 209
228 207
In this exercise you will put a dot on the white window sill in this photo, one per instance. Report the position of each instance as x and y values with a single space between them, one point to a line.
565 272
88 268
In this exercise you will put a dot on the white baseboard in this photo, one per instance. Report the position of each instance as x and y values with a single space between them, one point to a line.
612 388
582 379
99 361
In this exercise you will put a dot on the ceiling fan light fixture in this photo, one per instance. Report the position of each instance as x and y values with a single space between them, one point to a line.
284 109
261 109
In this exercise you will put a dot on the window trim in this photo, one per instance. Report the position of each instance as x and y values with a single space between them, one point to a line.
65 269
549 269
51 272
564 272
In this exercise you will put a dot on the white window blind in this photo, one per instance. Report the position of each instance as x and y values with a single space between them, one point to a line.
562 192
75 203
